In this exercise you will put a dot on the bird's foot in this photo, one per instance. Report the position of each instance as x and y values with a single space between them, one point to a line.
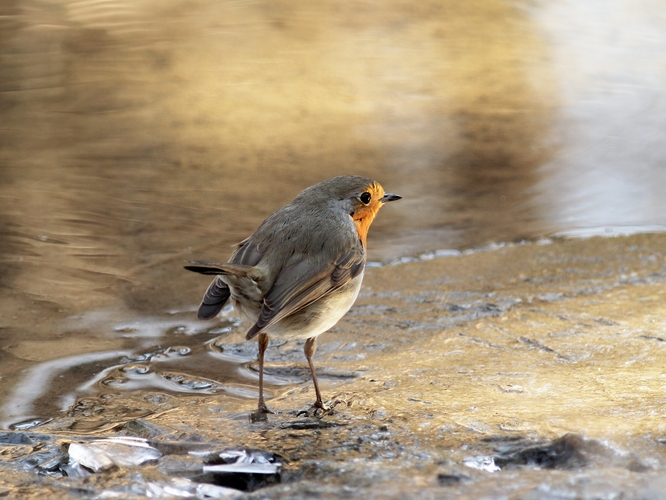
261 415
319 409
312 411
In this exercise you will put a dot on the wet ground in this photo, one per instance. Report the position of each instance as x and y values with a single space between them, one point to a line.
525 371
135 136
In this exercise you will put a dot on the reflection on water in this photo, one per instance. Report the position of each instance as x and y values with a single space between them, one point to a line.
608 169
136 135
37 382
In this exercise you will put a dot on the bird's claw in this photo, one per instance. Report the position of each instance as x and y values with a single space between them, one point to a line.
261 415
318 409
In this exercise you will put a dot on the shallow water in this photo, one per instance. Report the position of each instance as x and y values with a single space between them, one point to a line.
137 135
530 371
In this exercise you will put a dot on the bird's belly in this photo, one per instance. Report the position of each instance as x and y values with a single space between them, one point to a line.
319 316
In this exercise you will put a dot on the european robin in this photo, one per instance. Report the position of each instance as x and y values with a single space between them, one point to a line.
301 270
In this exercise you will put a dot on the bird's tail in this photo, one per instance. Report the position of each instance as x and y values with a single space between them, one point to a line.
218 292
203 267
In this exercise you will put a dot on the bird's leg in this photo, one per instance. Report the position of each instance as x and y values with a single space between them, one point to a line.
263 344
309 349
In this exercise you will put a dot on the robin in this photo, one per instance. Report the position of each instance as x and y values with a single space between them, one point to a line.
301 270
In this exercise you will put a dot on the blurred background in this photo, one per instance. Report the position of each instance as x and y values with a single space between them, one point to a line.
135 135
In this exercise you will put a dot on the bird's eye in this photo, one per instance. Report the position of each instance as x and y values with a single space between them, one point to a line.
365 198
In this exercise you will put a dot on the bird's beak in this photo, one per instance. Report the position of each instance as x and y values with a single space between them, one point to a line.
389 197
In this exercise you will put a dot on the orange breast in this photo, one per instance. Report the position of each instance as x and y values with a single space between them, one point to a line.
362 220
364 216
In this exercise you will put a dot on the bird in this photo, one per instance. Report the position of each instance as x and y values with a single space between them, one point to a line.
300 272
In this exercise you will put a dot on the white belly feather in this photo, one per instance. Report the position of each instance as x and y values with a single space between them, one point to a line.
315 319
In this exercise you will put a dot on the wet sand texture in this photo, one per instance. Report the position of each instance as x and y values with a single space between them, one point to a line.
542 360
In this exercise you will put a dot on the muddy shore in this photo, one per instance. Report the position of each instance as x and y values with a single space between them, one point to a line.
519 371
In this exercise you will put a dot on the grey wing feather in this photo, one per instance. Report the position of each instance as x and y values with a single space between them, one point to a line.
249 251
300 284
